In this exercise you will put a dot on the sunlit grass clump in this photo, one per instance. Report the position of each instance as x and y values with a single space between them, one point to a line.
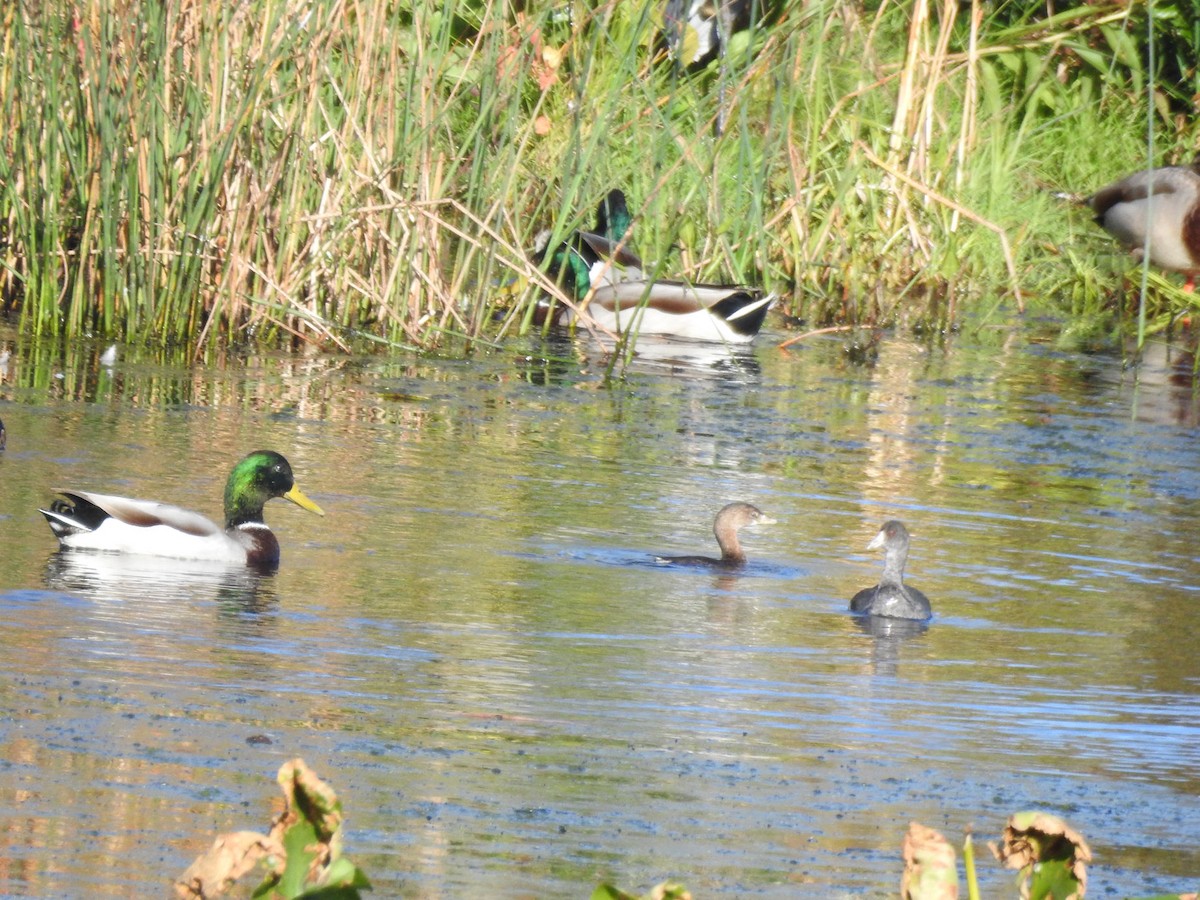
340 172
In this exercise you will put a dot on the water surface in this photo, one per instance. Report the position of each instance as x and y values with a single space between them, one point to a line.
475 649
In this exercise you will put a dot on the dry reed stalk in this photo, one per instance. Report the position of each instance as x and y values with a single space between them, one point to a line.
514 258
935 74
921 76
910 72
966 132
797 338
1092 18
1009 261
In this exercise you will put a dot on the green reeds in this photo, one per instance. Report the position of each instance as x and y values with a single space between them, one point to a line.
335 170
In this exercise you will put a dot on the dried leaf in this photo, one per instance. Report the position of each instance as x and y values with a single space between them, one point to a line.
308 796
303 849
1052 855
229 858
929 866
669 890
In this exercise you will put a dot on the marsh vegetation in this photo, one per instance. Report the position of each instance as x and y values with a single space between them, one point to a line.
349 171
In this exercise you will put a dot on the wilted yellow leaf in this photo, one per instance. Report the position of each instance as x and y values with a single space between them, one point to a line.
929 867
229 858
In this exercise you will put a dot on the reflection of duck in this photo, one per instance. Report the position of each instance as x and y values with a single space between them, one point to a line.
88 521
887 629
731 519
3 435
1156 211
722 363
624 299
159 586
892 597
887 639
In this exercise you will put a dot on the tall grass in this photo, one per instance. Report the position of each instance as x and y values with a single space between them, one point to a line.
335 171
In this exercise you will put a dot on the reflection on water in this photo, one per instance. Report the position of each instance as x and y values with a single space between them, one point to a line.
887 639
169 583
512 700
1167 389
560 360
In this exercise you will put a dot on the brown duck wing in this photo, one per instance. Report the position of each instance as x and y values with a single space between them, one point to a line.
1140 186
147 513
607 249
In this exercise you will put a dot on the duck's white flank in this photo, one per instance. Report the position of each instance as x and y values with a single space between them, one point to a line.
150 528
677 309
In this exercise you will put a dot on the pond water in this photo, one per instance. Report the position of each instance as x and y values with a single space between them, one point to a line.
474 648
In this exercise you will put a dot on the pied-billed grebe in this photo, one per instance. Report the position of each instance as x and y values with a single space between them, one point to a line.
88 521
1156 210
892 597
730 519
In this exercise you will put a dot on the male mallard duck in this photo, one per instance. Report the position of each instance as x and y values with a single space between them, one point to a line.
624 299
696 30
88 521
1156 211
570 263
730 519
892 597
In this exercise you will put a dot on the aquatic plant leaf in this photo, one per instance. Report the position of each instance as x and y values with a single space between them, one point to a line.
929 866
310 797
1052 880
229 858
344 874
1051 855
310 830
305 853
610 892
315 871
330 893
302 851
668 890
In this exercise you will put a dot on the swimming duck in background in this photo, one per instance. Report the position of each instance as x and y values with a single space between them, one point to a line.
3 435
87 521
892 597
730 520
1161 206
626 300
